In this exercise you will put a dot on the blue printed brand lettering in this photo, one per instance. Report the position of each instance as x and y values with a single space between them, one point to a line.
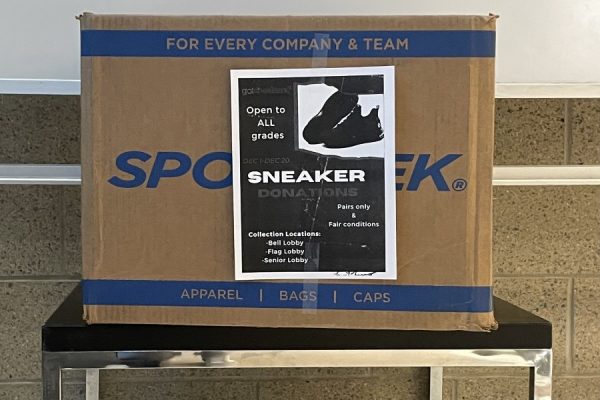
423 169
174 164
160 170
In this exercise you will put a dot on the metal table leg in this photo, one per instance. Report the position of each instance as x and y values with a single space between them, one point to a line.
436 380
92 384
54 362
540 376
51 379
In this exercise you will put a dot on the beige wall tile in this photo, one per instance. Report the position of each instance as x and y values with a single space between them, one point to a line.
529 131
586 131
587 325
576 388
20 391
163 390
461 372
39 129
546 230
74 391
172 390
493 388
31 231
546 297
373 388
24 307
72 228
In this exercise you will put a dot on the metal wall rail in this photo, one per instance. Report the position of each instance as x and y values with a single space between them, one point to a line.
503 90
40 174
70 174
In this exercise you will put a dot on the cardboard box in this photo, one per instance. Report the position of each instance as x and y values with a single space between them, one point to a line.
163 253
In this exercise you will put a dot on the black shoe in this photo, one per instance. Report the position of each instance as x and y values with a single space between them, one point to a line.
355 129
337 106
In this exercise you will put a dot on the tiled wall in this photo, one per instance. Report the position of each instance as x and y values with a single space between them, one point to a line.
546 258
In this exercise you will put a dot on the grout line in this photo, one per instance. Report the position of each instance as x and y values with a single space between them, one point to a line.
487 374
554 376
9 382
568 131
570 325
62 226
454 395
578 376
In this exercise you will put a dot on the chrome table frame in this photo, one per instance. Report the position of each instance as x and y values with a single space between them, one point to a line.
522 340
538 360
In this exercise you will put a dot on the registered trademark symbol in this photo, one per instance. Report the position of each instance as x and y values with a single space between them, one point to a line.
459 184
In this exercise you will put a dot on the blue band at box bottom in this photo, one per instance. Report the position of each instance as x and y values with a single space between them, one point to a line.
368 297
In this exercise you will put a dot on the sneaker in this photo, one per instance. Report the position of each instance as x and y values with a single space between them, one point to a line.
337 106
355 129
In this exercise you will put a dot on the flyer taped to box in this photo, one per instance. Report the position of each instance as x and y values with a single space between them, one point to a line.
313 173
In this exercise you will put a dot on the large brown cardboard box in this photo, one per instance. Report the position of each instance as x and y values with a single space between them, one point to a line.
165 254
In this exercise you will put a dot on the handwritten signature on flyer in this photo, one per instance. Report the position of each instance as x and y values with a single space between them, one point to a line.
354 273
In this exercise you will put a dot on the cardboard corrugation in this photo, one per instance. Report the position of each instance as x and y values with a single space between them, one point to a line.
179 232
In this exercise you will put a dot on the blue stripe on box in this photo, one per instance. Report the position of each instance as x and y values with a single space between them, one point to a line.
472 299
128 43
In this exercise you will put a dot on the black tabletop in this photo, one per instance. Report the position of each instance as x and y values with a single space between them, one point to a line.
65 330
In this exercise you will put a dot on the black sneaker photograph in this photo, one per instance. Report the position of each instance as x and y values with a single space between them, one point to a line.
355 129
336 107
342 116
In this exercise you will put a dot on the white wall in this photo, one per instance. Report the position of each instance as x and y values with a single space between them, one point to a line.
539 41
